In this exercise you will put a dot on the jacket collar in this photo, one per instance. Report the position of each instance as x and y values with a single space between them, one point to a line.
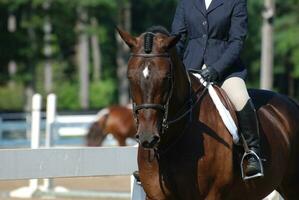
215 4
201 6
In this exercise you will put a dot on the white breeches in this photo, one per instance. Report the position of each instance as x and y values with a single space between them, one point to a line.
236 90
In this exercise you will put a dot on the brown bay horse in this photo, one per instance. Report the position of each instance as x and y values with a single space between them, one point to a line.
185 151
115 120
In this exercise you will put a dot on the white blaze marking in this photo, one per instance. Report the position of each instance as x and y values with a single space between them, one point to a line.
146 72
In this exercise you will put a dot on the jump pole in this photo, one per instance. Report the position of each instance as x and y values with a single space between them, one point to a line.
35 131
28 192
50 119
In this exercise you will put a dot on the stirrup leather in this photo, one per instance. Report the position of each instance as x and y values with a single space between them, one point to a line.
247 154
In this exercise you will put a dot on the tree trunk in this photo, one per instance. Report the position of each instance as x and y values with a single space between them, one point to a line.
12 65
96 52
124 22
288 73
267 46
48 71
30 85
28 94
12 70
83 58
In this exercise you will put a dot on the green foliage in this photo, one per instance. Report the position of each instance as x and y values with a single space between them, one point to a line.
67 96
102 93
152 12
12 97
252 47
287 43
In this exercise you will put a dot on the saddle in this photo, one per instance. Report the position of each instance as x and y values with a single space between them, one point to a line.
220 93
227 103
229 118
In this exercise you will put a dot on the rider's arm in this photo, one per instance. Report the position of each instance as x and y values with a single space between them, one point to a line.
179 27
237 35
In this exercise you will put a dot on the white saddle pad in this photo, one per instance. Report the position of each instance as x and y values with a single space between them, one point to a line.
224 113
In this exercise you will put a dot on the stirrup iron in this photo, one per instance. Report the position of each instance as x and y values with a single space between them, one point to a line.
247 154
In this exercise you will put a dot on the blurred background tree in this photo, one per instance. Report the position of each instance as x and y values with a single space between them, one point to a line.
86 61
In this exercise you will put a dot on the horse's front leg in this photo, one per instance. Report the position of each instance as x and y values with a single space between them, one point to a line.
153 189
149 175
213 197
215 194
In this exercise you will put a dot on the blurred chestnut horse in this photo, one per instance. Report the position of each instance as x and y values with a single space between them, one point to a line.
185 151
116 120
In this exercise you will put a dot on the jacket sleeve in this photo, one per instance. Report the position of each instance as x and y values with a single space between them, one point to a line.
179 27
237 35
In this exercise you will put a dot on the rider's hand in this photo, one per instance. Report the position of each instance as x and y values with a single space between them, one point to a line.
209 74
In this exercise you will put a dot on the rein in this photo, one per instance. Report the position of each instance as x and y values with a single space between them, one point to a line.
159 152
193 103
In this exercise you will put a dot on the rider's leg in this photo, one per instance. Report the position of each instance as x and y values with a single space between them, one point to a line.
237 92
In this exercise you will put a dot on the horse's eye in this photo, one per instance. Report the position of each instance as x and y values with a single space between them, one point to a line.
131 77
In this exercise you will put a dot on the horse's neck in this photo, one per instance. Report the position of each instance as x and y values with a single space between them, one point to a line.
181 88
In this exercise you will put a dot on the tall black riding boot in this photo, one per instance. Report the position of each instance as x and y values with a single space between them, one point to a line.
248 124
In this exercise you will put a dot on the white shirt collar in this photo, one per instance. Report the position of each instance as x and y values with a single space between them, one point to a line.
208 3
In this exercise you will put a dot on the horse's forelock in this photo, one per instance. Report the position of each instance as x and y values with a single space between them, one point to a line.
149 36
148 42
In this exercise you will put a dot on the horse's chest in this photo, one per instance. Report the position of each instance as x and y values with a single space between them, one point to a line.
179 176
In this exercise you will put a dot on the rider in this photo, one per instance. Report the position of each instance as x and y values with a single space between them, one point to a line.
214 32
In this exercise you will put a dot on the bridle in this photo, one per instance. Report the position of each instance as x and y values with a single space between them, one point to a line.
162 108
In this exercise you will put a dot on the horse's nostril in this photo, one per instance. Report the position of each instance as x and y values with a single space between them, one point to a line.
156 139
151 143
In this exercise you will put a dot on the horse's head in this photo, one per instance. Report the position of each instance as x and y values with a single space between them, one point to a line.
95 135
150 75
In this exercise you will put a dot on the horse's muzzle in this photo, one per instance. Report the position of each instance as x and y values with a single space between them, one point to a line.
147 140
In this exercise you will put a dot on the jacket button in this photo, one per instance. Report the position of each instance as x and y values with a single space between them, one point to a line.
204 35
204 23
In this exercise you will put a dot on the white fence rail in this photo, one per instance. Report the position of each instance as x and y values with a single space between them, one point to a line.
67 162
64 129
64 125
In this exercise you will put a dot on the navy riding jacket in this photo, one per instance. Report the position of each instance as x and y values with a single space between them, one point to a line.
214 37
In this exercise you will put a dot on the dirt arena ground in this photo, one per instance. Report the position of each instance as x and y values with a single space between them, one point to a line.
95 184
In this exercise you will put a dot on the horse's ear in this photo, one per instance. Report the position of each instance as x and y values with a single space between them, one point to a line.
129 39
171 41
